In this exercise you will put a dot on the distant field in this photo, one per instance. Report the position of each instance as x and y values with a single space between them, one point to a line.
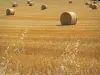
33 42
4 1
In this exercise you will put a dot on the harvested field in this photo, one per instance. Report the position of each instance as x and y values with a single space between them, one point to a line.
33 42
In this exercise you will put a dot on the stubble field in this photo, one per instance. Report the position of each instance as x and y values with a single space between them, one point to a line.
33 42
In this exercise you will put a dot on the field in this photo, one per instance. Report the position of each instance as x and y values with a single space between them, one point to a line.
33 42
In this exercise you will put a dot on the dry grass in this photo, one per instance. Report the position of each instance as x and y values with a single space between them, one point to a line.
49 54
33 43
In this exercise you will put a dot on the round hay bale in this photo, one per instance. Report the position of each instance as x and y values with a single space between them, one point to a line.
10 11
68 18
94 6
70 1
94 2
30 3
14 4
43 7
90 5
87 3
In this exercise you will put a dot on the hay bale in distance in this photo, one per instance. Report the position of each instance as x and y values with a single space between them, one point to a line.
90 5
94 2
10 11
68 18
43 7
94 6
70 1
14 4
87 3
30 3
